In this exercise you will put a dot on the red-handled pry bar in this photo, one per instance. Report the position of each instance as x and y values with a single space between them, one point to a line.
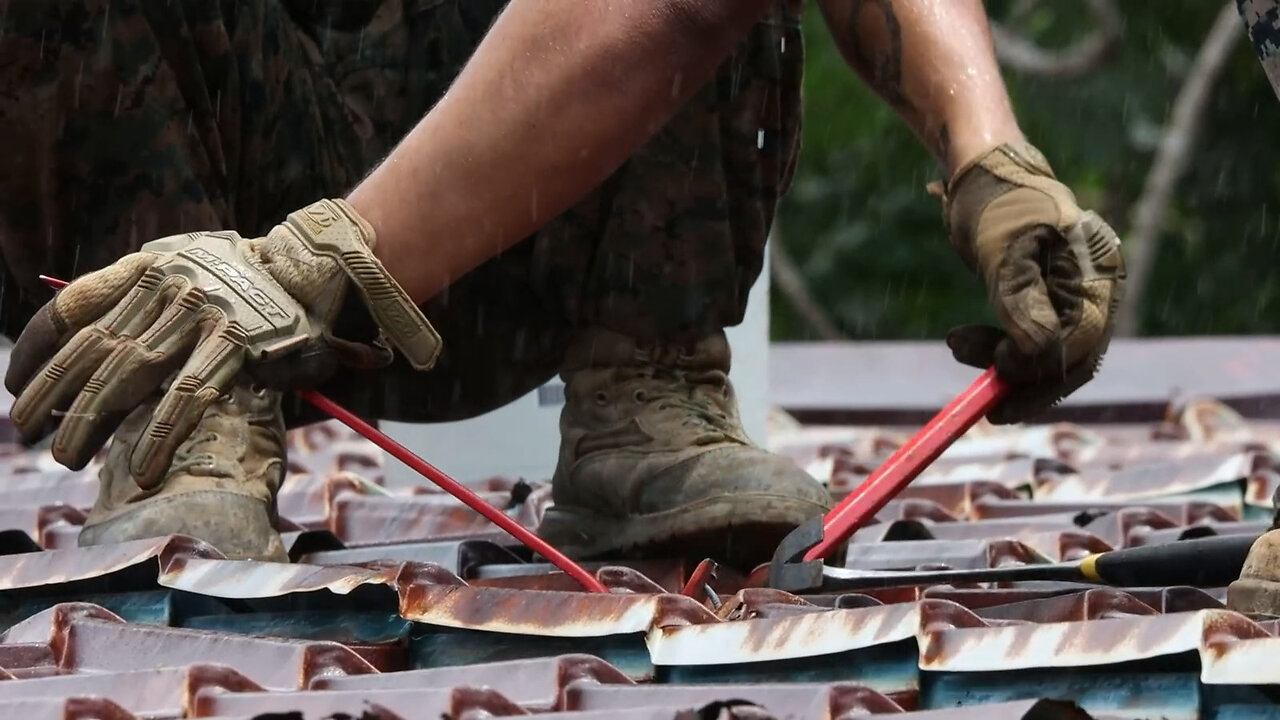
435 475
797 563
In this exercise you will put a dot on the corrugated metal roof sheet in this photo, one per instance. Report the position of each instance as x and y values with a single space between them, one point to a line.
403 603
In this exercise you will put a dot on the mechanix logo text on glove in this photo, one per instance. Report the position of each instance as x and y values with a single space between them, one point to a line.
1054 275
194 310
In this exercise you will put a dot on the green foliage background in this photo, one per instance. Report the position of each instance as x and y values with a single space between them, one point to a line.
870 240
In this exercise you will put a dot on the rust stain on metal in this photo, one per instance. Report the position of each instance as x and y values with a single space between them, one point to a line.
1174 473
540 684
797 700
408 703
959 499
84 637
1079 644
800 635
1095 604
560 614
152 692
61 566
752 603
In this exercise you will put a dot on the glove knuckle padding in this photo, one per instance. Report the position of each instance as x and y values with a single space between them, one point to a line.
1096 249
92 295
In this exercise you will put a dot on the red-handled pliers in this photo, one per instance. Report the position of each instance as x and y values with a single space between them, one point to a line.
797 563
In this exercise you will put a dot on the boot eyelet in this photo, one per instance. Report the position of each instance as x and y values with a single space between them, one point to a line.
258 390
640 396
601 398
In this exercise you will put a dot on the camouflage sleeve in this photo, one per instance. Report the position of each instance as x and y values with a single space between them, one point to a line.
1262 19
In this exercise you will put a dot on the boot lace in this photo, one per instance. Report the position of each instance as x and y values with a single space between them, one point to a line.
201 455
698 399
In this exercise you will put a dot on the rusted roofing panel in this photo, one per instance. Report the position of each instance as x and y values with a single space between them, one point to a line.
158 692
415 703
788 637
460 620
55 567
1100 642
536 683
88 638
74 708
807 700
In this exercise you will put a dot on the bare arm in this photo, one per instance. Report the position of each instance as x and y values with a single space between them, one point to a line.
933 61
555 98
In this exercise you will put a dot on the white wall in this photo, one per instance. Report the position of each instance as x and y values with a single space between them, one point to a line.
522 439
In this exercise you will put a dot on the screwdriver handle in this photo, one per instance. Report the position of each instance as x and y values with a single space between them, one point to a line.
1203 562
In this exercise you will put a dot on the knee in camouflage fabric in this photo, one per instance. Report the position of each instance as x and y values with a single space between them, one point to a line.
197 116
654 459
177 99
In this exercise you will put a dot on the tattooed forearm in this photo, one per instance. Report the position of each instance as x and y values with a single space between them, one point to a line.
933 63
874 36
870 35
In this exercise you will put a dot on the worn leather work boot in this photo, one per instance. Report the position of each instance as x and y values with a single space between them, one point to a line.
221 487
654 460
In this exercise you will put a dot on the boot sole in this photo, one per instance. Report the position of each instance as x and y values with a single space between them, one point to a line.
740 530
1254 597
238 526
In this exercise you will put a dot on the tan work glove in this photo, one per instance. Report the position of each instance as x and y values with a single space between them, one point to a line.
1054 275
196 309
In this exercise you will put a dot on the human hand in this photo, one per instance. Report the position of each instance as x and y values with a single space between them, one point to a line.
195 310
1054 275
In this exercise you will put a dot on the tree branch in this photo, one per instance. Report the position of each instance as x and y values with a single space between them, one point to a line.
1080 58
1172 158
789 281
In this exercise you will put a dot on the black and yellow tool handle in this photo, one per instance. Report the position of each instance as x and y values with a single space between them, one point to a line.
1203 562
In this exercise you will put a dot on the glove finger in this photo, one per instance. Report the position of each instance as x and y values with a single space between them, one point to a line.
207 375
133 370
975 345
39 340
75 362
77 305
983 346
1020 368
1037 382
1021 296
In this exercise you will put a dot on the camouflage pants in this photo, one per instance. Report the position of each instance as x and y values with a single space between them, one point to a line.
126 120
1262 19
